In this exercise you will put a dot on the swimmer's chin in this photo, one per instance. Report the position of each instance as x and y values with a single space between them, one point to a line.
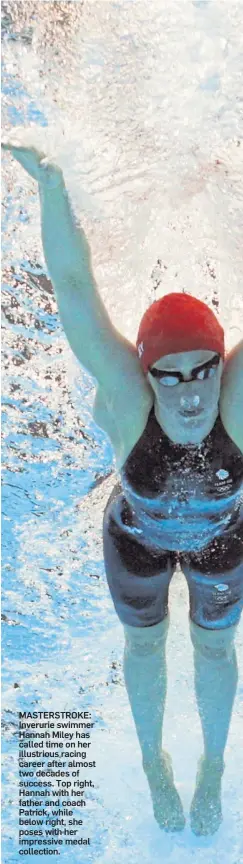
188 431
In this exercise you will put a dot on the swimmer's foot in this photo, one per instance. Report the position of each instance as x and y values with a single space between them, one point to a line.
206 810
167 806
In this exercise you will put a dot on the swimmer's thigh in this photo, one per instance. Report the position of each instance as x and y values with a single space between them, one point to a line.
215 581
138 578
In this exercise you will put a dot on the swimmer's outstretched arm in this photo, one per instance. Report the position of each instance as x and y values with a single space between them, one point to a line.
67 254
124 397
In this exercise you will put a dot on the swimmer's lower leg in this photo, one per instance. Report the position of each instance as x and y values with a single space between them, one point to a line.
216 678
145 679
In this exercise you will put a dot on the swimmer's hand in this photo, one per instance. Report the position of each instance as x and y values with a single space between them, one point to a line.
35 162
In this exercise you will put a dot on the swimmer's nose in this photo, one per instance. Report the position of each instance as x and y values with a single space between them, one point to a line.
190 402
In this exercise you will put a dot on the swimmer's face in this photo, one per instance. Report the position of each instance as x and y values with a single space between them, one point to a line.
186 388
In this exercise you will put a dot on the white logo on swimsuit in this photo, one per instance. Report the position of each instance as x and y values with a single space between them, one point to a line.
222 474
222 586
140 349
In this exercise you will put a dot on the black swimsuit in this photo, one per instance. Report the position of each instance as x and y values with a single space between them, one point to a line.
175 503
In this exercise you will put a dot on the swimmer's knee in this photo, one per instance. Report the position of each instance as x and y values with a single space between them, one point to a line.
213 644
146 640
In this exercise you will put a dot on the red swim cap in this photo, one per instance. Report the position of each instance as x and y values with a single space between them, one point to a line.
177 322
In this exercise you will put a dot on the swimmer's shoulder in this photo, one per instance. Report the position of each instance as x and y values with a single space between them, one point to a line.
124 415
231 396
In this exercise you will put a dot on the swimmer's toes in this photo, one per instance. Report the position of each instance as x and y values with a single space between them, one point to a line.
167 806
168 811
205 820
206 809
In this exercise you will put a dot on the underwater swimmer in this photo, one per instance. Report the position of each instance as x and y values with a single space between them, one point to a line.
172 407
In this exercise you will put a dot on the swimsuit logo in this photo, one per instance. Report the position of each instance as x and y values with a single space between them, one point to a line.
222 474
140 349
224 483
222 586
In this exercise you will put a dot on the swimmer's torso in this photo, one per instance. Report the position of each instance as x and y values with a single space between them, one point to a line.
179 497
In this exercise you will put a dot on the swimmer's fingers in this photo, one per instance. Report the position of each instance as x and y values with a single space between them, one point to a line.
29 157
34 161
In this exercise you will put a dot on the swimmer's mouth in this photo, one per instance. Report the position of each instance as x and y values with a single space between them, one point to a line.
194 413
